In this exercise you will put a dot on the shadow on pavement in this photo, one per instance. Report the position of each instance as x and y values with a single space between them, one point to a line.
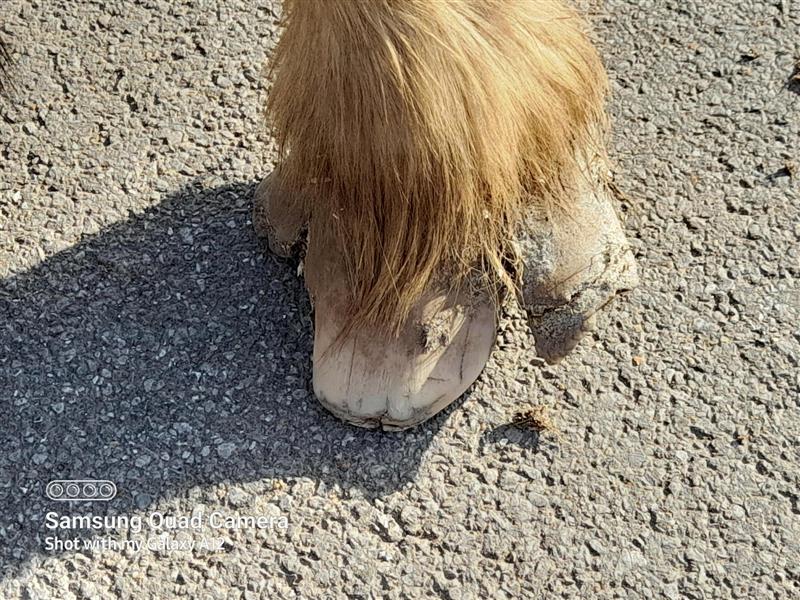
166 352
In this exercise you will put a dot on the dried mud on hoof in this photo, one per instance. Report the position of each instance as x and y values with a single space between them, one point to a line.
574 264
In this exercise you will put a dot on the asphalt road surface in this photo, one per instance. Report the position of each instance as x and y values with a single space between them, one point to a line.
147 338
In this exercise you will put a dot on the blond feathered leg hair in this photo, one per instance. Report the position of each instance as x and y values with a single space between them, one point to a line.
420 129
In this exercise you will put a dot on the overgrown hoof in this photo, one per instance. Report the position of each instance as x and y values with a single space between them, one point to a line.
279 216
373 379
574 264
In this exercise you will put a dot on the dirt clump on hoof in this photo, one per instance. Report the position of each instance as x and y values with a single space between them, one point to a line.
573 265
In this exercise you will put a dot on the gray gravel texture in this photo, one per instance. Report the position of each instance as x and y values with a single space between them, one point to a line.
146 337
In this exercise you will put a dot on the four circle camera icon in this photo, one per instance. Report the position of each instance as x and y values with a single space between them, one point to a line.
63 490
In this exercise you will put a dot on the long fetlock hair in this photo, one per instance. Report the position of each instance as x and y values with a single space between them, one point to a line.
422 129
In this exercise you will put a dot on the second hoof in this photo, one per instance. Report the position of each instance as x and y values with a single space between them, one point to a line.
574 264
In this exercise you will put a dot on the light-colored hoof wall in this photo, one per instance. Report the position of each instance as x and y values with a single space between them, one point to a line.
278 216
374 380
573 266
